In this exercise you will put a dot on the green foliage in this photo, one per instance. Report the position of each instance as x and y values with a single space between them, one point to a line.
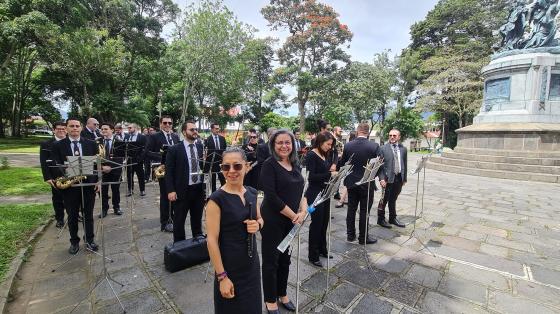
274 120
406 120
21 145
22 181
4 163
17 223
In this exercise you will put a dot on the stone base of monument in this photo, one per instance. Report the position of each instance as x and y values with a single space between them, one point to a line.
518 151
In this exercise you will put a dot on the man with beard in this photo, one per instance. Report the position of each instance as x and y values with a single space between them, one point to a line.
136 158
162 140
216 144
184 183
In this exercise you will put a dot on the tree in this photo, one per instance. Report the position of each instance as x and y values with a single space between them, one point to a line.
406 120
313 50
273 120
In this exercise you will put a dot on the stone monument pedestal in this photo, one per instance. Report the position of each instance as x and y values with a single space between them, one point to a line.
516 134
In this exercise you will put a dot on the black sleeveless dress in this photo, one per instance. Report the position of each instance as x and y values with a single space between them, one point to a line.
242 270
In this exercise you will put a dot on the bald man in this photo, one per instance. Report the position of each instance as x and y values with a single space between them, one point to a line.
91 131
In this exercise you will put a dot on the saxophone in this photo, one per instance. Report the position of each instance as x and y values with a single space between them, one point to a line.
159 171
101 148
63 183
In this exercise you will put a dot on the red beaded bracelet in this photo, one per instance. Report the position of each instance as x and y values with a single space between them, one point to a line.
221 276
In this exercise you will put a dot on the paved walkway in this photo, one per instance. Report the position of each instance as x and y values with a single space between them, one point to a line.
22 159
492 246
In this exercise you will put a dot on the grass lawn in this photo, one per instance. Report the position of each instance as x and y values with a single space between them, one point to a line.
22 181
21 145
17 222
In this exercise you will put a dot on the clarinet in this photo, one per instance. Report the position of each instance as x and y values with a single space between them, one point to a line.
249 235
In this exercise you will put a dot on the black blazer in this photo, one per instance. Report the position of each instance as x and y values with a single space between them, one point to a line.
141 142
156 142
217 159
177 169
46 160
90 136
263 152
361 150
112 154
63 148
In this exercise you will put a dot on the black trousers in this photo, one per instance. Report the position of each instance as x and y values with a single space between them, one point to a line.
147 170
275 265
392 191
193 202
138 168
73 203
113 176
220 177
320 219
58 204
165 212
357 195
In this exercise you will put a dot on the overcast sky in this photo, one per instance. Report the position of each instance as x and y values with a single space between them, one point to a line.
377 25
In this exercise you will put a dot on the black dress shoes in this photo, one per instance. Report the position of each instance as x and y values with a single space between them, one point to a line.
368 241
118 211
316 263
325 255
351 238
92 246
142 193
396 222
59 224
340 205
74 248
289 306
383 223
103 214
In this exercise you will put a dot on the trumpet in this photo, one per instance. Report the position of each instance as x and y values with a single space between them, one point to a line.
63 183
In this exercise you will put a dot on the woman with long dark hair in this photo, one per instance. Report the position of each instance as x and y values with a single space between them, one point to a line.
232 219
282 207
319 172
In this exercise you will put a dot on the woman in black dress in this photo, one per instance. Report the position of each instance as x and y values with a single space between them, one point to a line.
232 219
283 205
319 172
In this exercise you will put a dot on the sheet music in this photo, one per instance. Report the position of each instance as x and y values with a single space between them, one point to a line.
80 165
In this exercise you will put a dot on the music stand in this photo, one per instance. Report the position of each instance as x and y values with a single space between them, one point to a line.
125 150
105 276
420 167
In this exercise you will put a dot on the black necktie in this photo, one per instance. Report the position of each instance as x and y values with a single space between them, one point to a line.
107 145
169 139
217 142
194 164
75 148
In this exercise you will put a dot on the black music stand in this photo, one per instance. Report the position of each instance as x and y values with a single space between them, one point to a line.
420 167
125 150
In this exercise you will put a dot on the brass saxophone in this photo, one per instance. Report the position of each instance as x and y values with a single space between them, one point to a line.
101 147
63 183
159 171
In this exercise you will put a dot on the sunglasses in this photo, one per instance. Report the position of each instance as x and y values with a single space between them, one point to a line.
393 135
227 167
167 123
193 129
254 136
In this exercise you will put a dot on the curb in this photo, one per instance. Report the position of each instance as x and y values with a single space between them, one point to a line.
15 265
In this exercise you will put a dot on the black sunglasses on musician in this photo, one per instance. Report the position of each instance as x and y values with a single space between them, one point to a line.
227 167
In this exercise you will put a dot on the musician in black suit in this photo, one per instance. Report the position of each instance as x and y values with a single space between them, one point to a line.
392 176
77 197
252 177
360 150
50 173
263 152
91 131
156 142
136 158
114 175
184 182
216 144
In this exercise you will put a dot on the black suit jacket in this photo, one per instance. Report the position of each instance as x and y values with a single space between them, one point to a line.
141 143
90 136
63 148
217 159
263 152
156 142
46 159
177 169
360 150
112 155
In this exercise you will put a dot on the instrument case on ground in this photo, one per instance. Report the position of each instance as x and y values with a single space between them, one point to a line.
186 253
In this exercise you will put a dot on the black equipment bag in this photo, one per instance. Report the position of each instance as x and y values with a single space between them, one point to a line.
186 253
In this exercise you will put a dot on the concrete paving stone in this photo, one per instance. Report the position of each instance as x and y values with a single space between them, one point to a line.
480 259
197 298
51 304
403 291
538 292
487 230
383 246
316 285
473 208
424 276
366 278
506 303
531 213
84 307
347 266
488 217
472 235
437 303
460 243
145 302
120 261
391 264
546 275
494 250
516 245
484 277
510 226
131 278
343 295
462 288
382 233
59 284
370 303
306 270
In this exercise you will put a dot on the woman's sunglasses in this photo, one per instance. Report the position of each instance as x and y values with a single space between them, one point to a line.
227 167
